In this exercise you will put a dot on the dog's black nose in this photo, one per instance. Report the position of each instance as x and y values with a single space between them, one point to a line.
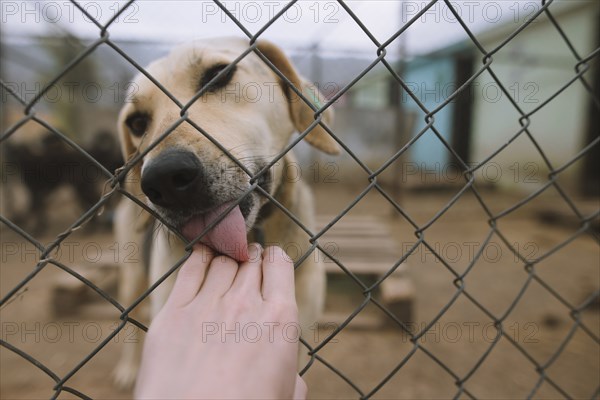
173 179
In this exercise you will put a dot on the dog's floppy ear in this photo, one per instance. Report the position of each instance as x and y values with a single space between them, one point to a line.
301 113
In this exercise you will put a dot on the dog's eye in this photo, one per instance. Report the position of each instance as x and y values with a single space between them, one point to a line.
212 72
138 123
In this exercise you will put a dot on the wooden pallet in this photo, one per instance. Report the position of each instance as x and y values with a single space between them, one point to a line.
366 246
363 243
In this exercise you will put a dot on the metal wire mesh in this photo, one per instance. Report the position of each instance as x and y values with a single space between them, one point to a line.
580 64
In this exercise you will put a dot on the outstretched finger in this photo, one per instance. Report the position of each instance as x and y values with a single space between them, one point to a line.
278 276
249 276
190 276
220 276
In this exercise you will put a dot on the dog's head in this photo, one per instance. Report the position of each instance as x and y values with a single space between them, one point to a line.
248 110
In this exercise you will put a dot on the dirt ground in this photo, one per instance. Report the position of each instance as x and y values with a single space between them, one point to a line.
539 331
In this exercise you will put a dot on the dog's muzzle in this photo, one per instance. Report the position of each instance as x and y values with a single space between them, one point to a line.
176 182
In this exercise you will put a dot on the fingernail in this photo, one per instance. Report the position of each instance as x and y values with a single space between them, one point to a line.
255 252
273 253
206 252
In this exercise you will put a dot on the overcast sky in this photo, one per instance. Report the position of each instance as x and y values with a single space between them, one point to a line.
308 22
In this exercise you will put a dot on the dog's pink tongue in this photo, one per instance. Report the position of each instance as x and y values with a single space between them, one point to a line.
227 237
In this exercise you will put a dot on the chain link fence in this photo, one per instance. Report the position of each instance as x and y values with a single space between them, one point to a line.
582 68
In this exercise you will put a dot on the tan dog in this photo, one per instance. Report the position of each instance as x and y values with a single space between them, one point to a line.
191 183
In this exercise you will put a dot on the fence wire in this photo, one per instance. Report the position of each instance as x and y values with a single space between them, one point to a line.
580 64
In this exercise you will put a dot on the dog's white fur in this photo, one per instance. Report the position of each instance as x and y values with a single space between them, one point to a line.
253 130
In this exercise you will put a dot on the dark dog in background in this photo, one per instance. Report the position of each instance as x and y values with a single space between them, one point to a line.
42 163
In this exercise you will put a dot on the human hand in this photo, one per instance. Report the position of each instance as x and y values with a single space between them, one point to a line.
226 331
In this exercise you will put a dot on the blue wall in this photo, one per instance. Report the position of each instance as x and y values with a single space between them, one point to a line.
432 81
